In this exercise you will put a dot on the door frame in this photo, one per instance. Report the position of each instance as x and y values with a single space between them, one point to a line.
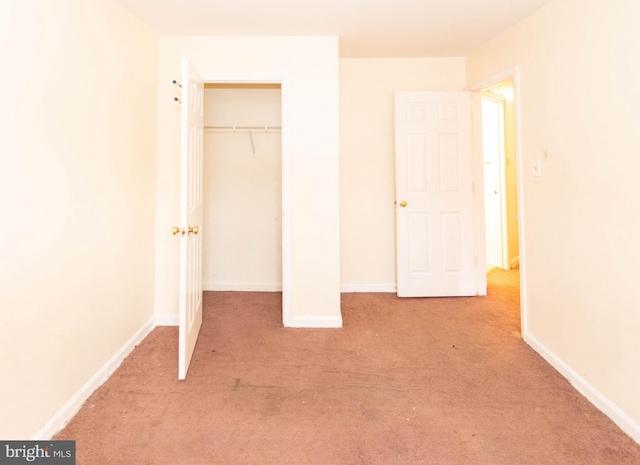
477 87
282 79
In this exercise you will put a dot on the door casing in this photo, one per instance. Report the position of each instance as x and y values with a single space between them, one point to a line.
477 87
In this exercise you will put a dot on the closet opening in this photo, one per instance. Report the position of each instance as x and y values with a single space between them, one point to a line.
242 175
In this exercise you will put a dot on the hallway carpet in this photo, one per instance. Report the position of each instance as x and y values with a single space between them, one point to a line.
406 381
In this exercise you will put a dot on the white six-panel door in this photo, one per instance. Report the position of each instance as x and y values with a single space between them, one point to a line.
434 195
191 214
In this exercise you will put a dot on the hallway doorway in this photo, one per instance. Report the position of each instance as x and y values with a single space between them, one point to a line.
500 177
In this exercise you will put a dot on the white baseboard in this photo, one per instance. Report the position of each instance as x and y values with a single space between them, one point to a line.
314 322
167 320
73 405
586 389
515 263
242 287
368 288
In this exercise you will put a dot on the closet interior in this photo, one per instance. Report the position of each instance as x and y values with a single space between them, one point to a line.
242 243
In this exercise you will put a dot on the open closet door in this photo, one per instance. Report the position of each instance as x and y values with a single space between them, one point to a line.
191 213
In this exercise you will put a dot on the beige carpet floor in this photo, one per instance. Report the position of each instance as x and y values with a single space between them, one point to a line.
406 381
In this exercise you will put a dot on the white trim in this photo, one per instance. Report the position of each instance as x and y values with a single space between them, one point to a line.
242 287
493 80
315 322
168 320
60 419
243 78
586 389
358 287
514 74
477 173
515 263
287 161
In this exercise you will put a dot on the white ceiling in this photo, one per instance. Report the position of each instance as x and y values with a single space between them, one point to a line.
367 28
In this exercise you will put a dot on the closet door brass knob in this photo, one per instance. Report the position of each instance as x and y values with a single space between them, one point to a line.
403 203
176 230
193 230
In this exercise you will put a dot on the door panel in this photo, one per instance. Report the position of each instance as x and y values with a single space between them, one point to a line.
192 114
450 162
434 195
419 259
452 242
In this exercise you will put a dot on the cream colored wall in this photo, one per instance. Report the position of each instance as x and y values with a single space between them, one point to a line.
308 67
367 179
77 183
242 244
579 102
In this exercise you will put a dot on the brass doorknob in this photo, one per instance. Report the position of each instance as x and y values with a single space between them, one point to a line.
176 230
193 229
403 203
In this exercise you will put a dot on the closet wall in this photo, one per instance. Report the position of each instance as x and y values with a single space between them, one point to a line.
242 247
307 68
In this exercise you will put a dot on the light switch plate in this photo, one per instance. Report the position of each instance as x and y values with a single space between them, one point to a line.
537 168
